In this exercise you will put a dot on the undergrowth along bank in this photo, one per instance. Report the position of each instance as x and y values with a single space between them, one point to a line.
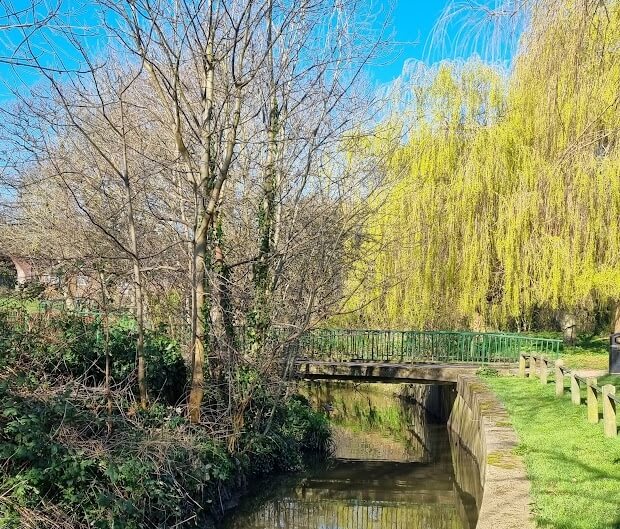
68 460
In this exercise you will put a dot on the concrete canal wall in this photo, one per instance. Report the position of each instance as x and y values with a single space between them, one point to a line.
477 422
480 423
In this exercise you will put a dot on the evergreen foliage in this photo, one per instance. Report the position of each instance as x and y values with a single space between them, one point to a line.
69 462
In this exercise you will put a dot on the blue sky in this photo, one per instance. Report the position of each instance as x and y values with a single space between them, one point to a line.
411 25
413 22
469 31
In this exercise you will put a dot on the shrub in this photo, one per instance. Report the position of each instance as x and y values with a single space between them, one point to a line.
61 450
73 345
54 450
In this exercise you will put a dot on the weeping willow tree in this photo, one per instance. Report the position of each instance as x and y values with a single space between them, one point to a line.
506 194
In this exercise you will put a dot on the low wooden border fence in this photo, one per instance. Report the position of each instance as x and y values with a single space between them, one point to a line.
533 365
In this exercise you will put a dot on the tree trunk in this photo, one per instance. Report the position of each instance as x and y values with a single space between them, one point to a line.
260 318
106 346
221 310
198 340
139 309
67 292
137 274
615 324
202 181
478 324
568 322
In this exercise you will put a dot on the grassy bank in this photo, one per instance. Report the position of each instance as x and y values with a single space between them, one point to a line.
588 352
574 469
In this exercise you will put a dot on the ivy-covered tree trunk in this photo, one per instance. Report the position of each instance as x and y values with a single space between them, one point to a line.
222 325
259 320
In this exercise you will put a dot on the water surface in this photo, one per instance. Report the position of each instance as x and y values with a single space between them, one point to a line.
393 466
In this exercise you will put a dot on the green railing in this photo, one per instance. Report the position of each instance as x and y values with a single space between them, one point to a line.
421 346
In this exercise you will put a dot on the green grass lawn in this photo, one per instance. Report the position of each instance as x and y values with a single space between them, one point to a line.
588 352
574 469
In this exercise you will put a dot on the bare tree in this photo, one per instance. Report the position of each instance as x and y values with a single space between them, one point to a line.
28 31
208 149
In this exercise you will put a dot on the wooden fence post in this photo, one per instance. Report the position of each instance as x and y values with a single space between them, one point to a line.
575 392
609 411
592 401
532 365
543 371
559 378
522 365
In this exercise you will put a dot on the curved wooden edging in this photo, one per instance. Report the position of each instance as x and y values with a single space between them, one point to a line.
483 427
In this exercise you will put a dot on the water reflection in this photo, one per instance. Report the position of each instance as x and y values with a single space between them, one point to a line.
371 422
391 468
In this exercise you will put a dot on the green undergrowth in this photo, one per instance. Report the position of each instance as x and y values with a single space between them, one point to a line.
573 468
61 467
68 462
588 352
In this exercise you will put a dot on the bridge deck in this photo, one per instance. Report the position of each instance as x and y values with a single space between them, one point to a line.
385 371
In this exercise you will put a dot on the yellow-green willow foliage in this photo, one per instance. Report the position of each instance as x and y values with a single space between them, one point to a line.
507 193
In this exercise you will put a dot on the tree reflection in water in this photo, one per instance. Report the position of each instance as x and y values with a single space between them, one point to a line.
391 468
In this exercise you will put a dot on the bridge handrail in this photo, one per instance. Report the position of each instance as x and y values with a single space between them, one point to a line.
428 346
488 333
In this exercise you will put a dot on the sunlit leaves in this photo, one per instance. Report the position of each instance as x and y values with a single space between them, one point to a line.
507 193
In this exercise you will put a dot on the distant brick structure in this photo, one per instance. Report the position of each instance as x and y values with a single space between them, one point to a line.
20 270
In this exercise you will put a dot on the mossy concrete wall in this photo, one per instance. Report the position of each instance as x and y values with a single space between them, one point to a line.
481 424
436 399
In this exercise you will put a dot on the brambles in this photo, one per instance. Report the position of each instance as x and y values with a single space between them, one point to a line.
68 459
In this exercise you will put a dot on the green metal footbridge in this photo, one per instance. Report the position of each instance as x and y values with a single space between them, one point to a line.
422 346
411 355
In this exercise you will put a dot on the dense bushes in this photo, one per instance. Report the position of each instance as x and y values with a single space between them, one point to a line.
56 452
280 442
151 472
67 461
74 346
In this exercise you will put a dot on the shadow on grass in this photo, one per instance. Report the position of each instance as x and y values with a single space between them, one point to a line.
590 343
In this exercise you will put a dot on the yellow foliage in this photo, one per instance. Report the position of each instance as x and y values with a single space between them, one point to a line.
506 192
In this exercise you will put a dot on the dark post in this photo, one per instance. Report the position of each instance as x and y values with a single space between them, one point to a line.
614 354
